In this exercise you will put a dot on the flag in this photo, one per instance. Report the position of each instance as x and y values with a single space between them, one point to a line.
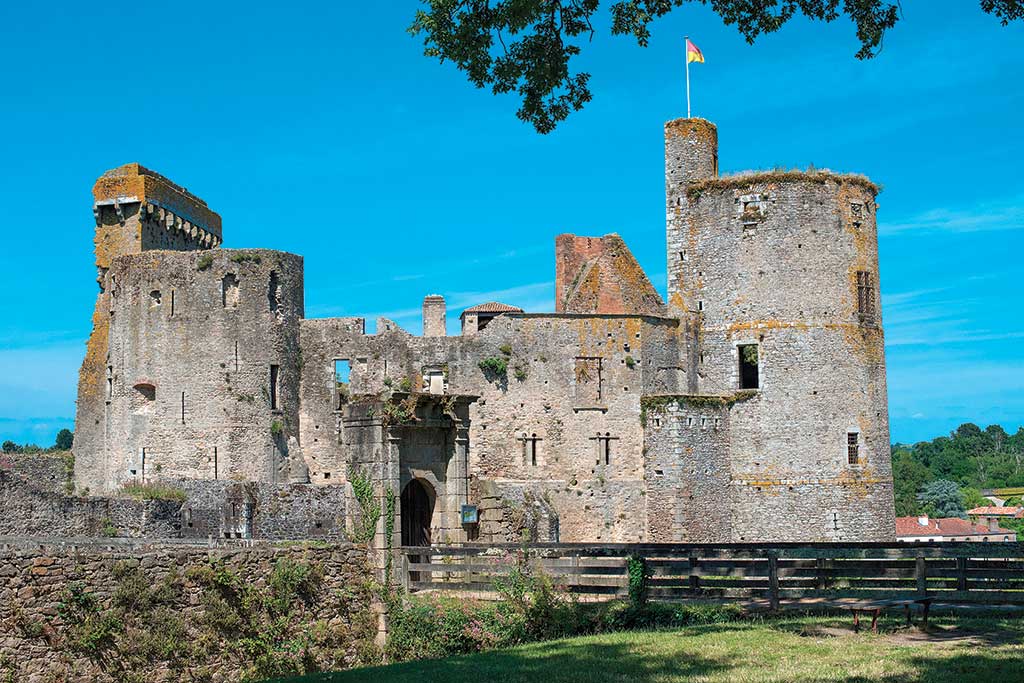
693 53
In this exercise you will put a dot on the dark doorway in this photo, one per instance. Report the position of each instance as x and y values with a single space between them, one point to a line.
417 510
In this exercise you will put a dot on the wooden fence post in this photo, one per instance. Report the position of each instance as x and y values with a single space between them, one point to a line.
961 574
819 567
405 572
773 579
694 579
921 574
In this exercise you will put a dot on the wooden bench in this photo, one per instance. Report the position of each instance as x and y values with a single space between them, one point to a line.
875 607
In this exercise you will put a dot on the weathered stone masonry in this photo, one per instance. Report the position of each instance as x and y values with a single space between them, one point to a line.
751 406
39 642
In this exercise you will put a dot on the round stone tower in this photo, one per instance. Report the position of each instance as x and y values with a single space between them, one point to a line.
778 274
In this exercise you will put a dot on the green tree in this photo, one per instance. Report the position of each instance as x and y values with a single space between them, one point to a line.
65 438
909 477
11 447
972 498
525 46
941 498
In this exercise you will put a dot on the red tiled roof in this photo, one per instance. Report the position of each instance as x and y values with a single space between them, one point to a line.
946 526
994 511
493 307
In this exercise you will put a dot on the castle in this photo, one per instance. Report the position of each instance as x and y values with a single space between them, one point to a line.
751 406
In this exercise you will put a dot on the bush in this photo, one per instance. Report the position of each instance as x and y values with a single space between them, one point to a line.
153 492
494 367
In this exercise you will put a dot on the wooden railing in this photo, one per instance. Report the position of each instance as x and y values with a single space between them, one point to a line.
954 572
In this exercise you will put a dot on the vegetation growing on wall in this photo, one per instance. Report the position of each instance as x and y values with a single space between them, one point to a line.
153 491
204 261
494 367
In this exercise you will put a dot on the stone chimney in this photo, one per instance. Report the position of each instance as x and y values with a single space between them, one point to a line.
434 311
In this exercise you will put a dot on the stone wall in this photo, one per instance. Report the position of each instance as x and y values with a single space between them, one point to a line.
562 421
203 368
123 611
36 499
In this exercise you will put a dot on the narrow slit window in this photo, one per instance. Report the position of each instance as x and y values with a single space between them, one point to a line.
275 370
852 448
275 294
183 407
749 366
866 309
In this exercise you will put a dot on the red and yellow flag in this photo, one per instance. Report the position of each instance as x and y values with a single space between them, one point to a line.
693 53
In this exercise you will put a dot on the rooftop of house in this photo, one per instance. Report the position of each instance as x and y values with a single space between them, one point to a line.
996 511
493 307
946 526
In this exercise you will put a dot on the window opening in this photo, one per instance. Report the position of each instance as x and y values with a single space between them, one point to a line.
229 291
866 296
275 295
852 448
342 378
275 370
748 366
530 448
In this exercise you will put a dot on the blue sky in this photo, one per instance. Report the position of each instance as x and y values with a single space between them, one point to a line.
320 129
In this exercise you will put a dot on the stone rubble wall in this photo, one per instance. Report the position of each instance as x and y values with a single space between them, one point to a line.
37 643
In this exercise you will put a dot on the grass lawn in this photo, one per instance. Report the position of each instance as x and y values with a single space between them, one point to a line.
808 648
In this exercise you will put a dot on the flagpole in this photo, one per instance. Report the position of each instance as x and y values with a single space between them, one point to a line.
686 58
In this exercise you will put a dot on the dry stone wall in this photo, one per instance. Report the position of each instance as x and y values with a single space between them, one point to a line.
155 612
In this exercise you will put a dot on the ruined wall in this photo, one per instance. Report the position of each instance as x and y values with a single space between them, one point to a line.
600 275
162 616
37 499
819 349
203 368
226 509
570 391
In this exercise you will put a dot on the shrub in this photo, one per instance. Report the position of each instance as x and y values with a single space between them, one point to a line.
505 349
630 362
276 427
520 373
153 491
244 257
204 261
494 367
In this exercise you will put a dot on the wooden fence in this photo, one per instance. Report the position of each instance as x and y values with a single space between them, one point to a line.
949 572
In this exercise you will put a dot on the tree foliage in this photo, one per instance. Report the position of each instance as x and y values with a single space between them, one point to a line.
942 498
526 46
971 457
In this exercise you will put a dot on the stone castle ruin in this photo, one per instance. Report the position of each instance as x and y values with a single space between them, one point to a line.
751 406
